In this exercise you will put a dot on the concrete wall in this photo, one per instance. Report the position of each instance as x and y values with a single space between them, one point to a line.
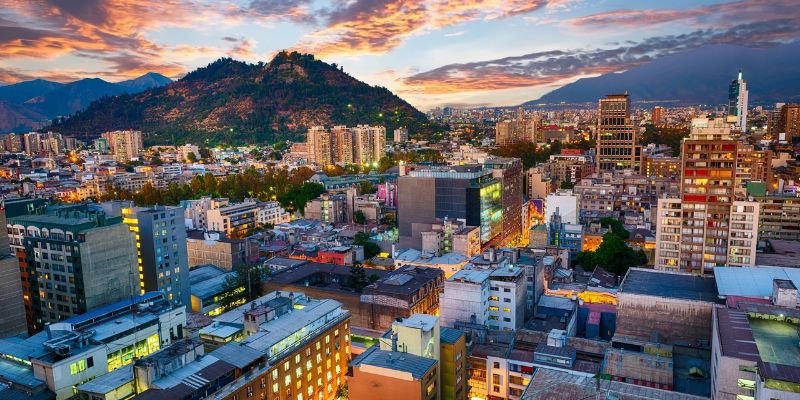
363 315
366 385
12 311
679 321
109 267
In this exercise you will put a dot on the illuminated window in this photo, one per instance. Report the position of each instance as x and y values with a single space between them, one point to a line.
308 365
327 339
297 359
319 358
287 380
298 372
274 374
275 387
285 366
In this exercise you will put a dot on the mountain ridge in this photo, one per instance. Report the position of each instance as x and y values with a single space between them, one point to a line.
699 76
40 100
230 101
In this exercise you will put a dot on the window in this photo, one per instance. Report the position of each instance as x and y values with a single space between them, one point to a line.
506 300
506 290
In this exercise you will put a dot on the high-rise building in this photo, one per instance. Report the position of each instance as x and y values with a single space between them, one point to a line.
707 226
521 128
617 136
789 122
12 310
363 144
737 103
657 116
401 134
13 143
342 144
369 144
509 172
125 145
72 259
319 145
162 257
467 192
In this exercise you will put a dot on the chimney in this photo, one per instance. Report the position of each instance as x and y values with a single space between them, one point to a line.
394 341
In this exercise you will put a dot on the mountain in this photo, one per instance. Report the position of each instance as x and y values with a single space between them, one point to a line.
699 76
234 102
18 93
39 101
14 117
144 82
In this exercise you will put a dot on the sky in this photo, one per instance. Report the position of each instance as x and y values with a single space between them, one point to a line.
431 53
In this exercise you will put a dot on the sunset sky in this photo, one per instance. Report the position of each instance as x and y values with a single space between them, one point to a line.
442 52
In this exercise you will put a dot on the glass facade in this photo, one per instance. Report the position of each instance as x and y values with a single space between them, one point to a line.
491 211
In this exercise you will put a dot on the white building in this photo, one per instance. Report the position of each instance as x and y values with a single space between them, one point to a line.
506 298
742 237
182 152
272 213
84 347
465 297
567 204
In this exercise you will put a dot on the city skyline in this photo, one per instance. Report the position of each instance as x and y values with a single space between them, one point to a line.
430 53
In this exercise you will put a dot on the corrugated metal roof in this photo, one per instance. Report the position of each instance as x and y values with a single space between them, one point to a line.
752 281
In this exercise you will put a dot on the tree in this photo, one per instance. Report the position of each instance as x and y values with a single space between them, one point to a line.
613 255
371 249
359 217
358 278
366 187
191 157
615 227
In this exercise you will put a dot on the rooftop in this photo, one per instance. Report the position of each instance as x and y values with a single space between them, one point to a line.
404 280
417 257
204 288
108 382
476 276
415 365
670 285
449 335
752 281
553 384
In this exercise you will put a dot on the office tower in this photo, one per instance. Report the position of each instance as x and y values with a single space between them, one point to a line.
658 115
509 172
125 145
12 310
401 134
617 142
72 259
737 103
162 257
707 226
467 192
790 121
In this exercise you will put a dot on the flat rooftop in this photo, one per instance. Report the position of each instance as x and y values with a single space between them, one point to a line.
776 341
476 276
736 337
548 384
415 365
670 285
752 281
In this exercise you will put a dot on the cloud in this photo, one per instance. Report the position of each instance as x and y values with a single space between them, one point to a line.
721 16
757 24
561 66
293 10
454 34
378 26
242 48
